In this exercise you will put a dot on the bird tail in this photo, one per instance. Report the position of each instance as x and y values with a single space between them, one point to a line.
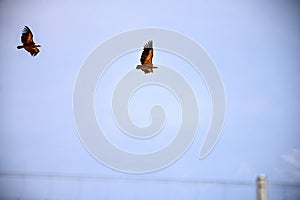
19 47
138 66
154 67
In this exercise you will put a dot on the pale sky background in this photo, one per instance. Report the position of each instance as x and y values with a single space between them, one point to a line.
255 46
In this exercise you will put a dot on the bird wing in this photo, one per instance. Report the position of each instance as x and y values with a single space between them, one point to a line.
147 54
27 36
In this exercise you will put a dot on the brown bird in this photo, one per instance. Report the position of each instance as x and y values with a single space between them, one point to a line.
146 58
28 43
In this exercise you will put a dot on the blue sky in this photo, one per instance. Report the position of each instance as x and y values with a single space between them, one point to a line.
255 46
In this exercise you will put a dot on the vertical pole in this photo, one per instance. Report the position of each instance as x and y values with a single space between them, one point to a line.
261 187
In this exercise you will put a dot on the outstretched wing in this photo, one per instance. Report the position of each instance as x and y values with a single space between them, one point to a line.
147 54
27 36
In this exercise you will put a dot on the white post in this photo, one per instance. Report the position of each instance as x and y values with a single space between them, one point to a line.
261 187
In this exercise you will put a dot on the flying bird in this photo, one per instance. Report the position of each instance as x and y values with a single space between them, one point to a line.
146 58
28 43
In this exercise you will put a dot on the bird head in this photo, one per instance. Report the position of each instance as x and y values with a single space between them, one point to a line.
138 66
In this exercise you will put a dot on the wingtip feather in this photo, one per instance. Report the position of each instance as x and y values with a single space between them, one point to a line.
149 44
26 29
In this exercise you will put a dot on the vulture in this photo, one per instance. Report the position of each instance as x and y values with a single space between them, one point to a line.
146 58
28 43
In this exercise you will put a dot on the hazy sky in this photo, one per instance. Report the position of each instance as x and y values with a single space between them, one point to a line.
255 46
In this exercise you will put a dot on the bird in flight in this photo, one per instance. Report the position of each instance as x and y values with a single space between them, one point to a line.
146 58
28 43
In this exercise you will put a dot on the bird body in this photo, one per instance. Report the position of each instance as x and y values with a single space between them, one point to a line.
146 58
28 43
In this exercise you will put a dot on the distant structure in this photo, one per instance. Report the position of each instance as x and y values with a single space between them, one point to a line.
146 58
28 43
261 187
